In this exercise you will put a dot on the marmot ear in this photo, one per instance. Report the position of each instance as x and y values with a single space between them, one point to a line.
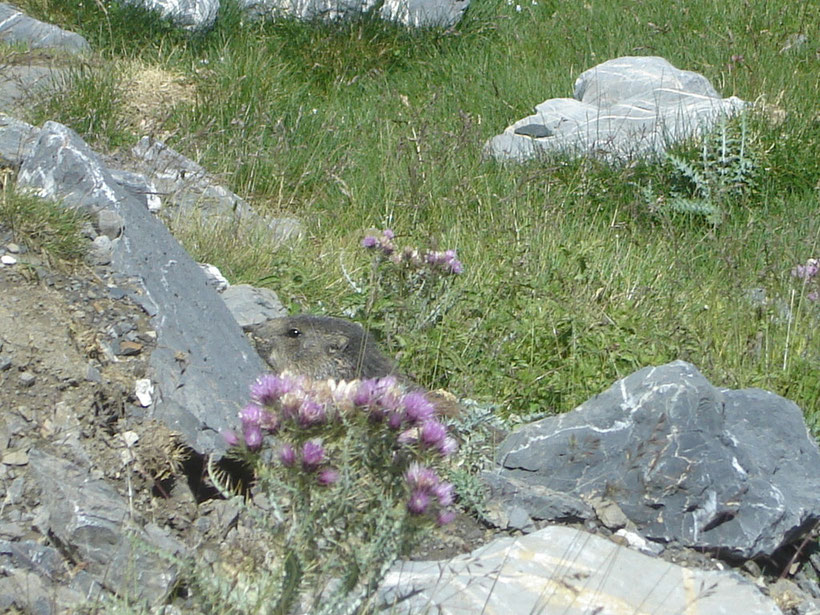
337 342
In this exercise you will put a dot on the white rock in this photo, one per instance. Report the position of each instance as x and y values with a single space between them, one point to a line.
214 277
144 392
560 570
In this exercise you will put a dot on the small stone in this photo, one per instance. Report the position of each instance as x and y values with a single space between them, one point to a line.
15 490
794 42
13 248
536 131
127 349
101 251
92 374
116 293
110 223
8 259
5 362
214 277
26 379
15 458
144 390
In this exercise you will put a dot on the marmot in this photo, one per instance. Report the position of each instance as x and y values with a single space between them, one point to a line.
320 347
323 347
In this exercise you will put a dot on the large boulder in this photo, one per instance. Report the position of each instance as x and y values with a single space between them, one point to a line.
194 15
424 13
18 28
622 109
563 571
413 13
202 364
732 471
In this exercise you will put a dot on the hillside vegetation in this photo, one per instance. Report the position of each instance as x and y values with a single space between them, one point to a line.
575 273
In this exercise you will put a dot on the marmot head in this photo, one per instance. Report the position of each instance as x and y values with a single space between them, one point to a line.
320 347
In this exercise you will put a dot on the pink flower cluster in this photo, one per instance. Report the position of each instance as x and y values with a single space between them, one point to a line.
807 273
444 262
429 494
299 409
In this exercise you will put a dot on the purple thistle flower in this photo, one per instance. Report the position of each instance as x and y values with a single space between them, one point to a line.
447 446
270 387
434 258
290 404
388 233
445 517
312 454
417 407
455 267
327 476
287 455
251 415
253 436
807 271
270 422
421 477
310 413
230 437
366 394
370 242
813 296
432 433
418 502
444 493
388 394
395 419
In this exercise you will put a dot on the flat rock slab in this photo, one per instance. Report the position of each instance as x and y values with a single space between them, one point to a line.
18 28
202 365
732 471
563 571
622 109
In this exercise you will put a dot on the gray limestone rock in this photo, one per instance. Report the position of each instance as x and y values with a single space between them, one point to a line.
187 187
16 140
202 364
194 15
685 461
563 571
17 27
508 495
110 223
424 13
139 186
308 9
622 109
412 13
252 306
91 520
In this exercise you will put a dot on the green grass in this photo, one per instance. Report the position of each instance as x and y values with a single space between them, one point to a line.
43 226
571 280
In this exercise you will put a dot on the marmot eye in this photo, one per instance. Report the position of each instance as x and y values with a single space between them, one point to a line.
294 332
